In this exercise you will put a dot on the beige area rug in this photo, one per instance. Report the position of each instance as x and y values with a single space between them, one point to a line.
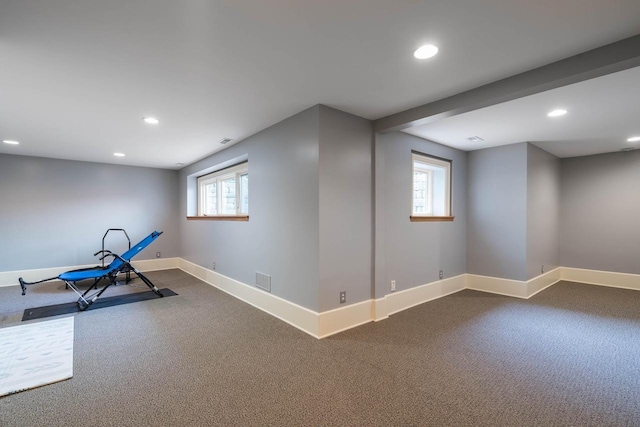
36 354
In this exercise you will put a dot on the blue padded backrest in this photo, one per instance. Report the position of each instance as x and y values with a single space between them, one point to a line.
97 272
135 249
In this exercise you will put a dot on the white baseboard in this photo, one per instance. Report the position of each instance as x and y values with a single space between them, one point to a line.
514 288
321 325
300 317
340 319
497 285
156 264
543 281
327 323
602 278
402 300
10 278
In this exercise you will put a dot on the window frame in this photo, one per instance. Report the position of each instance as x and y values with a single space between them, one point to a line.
217 177
437 162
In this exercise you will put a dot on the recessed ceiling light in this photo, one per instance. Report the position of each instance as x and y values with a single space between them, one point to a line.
225 141
557 113
151 120
118 154
6 141
179 164
475 139
426 51
632 139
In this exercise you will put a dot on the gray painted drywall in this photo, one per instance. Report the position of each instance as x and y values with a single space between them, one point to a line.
281 238
345 208
543 211
600 211
497 211
413 253
54 212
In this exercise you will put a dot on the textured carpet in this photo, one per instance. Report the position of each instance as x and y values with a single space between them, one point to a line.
568 356
36 354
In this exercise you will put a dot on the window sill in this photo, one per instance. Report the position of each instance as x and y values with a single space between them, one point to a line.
431 218
219 218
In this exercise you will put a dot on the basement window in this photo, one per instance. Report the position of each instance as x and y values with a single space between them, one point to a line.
431 189
224 194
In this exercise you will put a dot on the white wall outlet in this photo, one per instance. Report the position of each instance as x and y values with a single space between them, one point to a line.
213 266
343 297
158 254
441 274
393 286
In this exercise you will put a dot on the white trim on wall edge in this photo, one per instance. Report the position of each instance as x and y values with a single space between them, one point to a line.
340 319
602 278
398 301
322 325
327 323
297 316
514 288
10 278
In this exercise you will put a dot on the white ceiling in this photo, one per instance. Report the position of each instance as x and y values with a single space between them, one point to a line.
602 114
78 76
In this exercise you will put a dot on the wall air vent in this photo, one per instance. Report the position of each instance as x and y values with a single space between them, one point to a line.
263 281
225 140
627 149
475 139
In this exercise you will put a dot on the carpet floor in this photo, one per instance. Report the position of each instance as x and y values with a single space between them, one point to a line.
568 356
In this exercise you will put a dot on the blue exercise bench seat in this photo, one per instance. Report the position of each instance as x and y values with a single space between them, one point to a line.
120 264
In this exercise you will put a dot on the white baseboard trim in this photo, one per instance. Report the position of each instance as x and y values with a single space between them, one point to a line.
297 316
602 278
514 288
324 324
398 301
340 319
543 281
327 323
496 285
156 264
10 278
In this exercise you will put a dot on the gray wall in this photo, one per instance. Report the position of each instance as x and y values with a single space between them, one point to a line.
543 211
345 170
413 253
600 212
497 212
281 238
54 212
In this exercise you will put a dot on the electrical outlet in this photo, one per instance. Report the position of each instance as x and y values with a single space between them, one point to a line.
343 297
441 275
213 266
393 286
158 254
542 268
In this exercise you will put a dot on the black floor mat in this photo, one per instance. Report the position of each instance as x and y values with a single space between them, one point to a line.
72 307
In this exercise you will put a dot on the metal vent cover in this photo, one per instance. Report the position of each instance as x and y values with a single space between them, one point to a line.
475 139
263 281
225 140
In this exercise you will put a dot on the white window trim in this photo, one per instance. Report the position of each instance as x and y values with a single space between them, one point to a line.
424 158
217 177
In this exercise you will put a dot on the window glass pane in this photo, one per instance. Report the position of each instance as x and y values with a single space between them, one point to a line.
420 192
210 205
440 207
431 192
244 193
225 192
228 187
